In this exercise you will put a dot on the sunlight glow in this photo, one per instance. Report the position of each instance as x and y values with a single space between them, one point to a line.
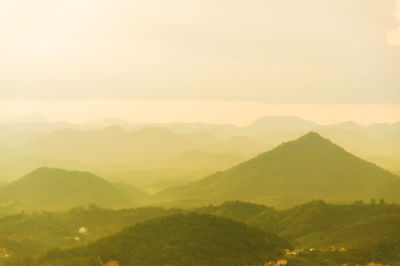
393 36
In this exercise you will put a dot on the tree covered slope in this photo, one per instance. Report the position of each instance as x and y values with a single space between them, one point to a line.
310 167
57 189
180 239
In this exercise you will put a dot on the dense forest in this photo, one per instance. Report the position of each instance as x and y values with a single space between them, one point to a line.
180 239
365 230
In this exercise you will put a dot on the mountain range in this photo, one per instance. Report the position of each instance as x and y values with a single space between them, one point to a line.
116 153
154 157
310 167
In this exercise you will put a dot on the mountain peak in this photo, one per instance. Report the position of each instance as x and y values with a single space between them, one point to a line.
310 167
312 135
48 174
311 146
311 140
46 169
52 188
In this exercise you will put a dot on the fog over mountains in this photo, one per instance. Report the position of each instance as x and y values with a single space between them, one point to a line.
60 177
307 168
121 150
200 133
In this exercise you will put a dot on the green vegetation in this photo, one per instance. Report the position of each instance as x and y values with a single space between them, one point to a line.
365 230
286 177
56 189
189 239
36 233
318 224
295 172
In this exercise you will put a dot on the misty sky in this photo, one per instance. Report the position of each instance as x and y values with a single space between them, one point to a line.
278 52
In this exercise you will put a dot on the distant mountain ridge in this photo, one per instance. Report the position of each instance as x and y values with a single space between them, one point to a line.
115 149
57 189
294 172
118 145
281 124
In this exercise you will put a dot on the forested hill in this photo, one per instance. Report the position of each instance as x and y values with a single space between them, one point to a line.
319 224
57 189
362 227
180 239
310 167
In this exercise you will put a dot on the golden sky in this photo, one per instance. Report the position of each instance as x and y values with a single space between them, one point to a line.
192 111
268 52
394 33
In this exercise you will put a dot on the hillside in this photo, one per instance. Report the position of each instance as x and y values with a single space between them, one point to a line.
310 167
55 189
363 229
180 239
317 224
33 234
359 227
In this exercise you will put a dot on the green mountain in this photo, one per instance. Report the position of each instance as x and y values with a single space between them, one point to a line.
317 224
310 167
55 189
148 155
365 230
33 234
180 239
361 228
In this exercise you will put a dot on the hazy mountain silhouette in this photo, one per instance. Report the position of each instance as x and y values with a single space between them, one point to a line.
281 124
116 151
307 168
55 189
